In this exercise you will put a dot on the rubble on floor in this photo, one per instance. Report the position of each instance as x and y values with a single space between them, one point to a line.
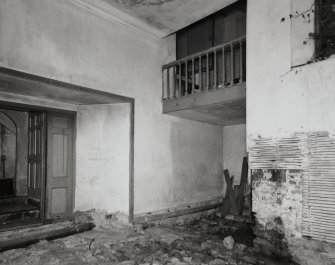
196 242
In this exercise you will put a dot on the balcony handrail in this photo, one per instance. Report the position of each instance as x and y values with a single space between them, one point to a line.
202 53
213 68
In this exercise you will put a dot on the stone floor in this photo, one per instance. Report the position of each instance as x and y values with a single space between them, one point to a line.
196 242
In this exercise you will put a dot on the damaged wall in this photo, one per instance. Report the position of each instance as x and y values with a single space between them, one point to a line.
285 107
64 41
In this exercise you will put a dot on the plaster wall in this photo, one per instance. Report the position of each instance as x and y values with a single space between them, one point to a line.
287 101
103 154
282 100
63 41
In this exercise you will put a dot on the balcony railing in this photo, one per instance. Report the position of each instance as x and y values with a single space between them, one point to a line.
218 67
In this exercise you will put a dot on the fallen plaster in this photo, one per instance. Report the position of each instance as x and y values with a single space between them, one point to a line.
210 240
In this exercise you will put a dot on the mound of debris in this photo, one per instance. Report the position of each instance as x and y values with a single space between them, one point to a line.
211 240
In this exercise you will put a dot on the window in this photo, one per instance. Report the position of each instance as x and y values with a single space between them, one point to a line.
325 28
223 26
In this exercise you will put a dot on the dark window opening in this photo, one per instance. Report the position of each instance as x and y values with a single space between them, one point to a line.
325 28
219 28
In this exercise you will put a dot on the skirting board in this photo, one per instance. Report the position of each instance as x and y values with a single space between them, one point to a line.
178 211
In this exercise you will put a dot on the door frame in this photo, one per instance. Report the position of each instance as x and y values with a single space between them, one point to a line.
26 108
30 91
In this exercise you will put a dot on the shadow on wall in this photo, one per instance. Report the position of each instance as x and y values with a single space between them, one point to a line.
196 150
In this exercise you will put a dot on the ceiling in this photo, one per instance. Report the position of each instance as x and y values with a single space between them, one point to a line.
169 16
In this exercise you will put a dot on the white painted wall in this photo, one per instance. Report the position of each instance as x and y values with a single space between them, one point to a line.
60 40
102 179
281 100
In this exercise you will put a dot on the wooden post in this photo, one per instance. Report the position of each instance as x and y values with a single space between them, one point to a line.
230 191
241 61
232 64
163 94
223 67
168 83
174 81
215 72
207 72
200 74
180 91
193 79
186 78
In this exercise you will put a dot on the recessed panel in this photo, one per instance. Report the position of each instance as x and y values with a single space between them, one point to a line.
61 123
59 155
58 200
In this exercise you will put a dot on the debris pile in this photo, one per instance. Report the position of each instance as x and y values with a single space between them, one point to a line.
211 240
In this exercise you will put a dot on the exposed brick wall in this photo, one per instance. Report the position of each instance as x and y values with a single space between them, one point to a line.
277 204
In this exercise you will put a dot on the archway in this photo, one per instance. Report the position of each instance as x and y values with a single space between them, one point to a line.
8 141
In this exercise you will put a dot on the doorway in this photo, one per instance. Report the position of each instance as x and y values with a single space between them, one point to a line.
36 148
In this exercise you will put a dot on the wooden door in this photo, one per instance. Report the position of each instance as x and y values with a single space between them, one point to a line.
60 166
36 156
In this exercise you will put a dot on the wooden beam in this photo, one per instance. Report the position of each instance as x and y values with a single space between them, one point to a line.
227 94
24 237
231 194
172 212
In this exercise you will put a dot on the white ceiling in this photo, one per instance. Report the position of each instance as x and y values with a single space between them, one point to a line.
168 16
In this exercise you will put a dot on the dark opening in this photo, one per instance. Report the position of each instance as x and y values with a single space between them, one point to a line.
221 27
325 28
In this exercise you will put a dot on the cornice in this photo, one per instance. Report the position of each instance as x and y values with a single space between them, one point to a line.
110 13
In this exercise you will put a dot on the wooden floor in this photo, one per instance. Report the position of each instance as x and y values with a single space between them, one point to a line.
17 213
16 208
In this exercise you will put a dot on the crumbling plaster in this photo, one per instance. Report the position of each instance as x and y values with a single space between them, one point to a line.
283 99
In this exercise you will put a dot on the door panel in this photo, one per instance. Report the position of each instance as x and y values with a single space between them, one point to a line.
60 166
36 156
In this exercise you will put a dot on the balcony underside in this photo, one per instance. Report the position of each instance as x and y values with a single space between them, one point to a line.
225 106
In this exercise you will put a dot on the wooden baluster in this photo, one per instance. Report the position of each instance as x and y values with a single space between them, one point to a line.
207 72
168 83
193 79
163 81
215 72
180 92
232 64
186 78
223 68
200 74
241 61
174 80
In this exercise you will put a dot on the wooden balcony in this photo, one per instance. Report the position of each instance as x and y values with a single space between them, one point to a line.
208 86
